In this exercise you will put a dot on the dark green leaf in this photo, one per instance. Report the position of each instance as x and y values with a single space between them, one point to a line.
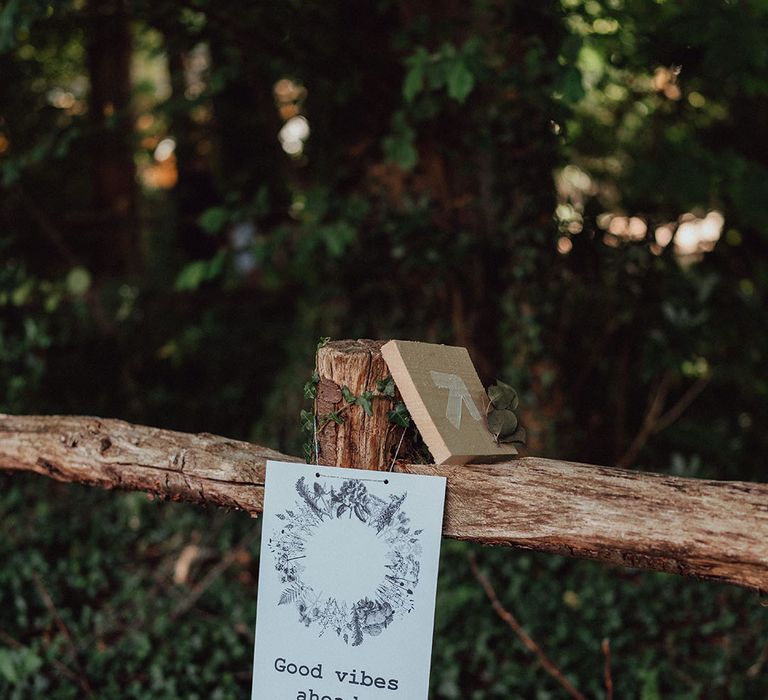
460 80
400 415
191 276
386 386
308 421
310 390
502 423
398 146
213 220
518 437
502 395
365 402
414 80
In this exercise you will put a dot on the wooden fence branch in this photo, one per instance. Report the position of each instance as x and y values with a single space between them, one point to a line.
706 529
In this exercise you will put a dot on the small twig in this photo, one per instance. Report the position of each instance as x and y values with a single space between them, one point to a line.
656 419
607 675
217 570
328 418
64 630
10 641
653 411
397 451
515 626
681 405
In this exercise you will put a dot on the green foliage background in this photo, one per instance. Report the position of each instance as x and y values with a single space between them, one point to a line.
457 185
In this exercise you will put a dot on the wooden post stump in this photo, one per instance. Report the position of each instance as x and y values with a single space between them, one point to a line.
361 440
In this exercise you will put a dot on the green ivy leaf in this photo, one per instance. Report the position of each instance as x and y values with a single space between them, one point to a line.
214 219
386 386
18 664
337 237
349 397
199 271
460 80
398 146
307 421
399 415
7 666
310 387
365 401
191 276
650 689
400 150
414 78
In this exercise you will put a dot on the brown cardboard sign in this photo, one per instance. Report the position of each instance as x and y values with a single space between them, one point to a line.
446 400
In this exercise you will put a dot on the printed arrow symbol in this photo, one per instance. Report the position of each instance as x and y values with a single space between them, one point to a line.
458 394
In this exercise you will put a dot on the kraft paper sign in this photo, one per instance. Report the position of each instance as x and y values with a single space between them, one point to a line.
446 399
347 583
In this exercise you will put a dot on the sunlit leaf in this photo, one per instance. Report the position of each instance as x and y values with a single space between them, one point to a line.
78 281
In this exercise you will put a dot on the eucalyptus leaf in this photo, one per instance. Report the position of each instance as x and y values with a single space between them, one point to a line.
502 423
502 396
518 437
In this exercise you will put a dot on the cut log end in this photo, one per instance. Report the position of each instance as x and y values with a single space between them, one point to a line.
360 440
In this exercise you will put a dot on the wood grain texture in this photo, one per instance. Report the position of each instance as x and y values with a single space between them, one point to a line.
693 527
706 529
201 468
361 441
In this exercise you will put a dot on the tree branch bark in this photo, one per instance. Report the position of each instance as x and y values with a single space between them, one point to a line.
706 529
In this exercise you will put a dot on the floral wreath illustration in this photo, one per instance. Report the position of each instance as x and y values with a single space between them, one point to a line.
393 597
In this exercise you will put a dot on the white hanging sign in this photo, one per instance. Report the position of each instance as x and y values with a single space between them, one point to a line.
347 583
